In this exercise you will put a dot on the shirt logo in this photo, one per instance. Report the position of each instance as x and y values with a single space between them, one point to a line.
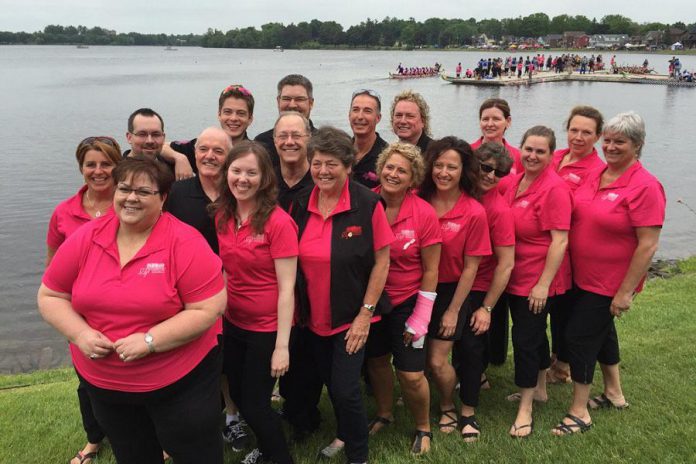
369 175
610 196
522 204
451 227
254 238
409 243
351 231
406 234
151 268
573 178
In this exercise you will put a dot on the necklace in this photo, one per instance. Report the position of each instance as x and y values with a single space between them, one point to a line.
98 212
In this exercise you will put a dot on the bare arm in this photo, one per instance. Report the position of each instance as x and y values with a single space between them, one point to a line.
448 324
178 330
359 329
554 258
648 238
286 271
182 166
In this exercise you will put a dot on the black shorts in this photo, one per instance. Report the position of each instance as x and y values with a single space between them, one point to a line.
387 337
445 292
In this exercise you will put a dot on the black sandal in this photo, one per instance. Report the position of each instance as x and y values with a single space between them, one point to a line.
470 437
450 414
578 425
378 420
417 447
603 402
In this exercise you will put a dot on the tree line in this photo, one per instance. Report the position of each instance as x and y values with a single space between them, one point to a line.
389 32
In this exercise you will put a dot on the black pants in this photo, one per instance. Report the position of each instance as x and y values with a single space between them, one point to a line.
247 366
559 314
498 333
529 341
302 385
95 434
183 418
341 374
590 335
470 351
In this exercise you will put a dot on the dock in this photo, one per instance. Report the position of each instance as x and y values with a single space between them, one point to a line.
550 76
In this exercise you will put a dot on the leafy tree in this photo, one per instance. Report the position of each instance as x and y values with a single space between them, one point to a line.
618 24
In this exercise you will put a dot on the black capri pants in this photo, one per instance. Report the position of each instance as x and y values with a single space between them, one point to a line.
470 352
182 418
529 341
387 337
590 335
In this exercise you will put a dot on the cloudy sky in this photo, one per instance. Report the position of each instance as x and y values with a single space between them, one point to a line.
184 16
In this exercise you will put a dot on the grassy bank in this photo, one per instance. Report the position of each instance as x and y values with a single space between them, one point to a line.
40 420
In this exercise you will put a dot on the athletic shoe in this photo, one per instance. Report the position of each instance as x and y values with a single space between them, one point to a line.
253 458
236 435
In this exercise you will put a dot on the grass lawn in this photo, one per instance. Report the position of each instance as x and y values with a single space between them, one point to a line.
39 418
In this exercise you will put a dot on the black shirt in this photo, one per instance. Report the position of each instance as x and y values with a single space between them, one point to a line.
364 170
188 202
423 142
159 158
287 194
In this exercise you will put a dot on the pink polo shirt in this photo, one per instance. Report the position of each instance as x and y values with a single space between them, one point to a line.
315 257
501 226
248 259
68 216
416 227
574 174
464 231
513 151
175 267
545 206
603 237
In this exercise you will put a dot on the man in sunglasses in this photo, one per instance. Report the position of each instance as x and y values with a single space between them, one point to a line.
364 114
235 114
294 94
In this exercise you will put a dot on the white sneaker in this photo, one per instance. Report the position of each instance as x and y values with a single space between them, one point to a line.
252 458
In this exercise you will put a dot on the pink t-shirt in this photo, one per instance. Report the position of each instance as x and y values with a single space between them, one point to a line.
501 226
416 227
174 267
248 259
68 216
513 151
315 257
603 237
545 206
464 231
574 174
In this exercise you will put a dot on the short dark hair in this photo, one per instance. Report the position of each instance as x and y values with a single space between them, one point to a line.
499 103
332 141
497 152
239 92
589 112
541 131
136 165
470 170
296 79
148 113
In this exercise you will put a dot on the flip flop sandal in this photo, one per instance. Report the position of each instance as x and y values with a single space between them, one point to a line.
485 383
378 420
578 425
603 402
450 426
470 437
84 457
515 428
417 447
517 396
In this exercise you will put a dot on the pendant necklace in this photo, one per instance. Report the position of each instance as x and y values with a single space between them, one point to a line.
91 204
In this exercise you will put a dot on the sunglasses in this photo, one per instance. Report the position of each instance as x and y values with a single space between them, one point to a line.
100 138
369 92
488 169
239 88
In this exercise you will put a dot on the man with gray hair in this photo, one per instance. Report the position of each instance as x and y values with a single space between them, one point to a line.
290 136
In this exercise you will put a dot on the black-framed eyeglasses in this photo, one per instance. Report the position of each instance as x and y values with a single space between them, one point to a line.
488 169
144 135
99 138
139 192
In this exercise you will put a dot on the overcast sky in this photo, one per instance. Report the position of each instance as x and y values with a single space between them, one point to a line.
196 16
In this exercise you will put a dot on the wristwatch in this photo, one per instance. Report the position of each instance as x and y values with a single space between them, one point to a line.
487 308
369 307
149 341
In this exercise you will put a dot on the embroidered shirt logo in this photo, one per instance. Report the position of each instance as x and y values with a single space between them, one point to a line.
406 234
451 227
610 196
522 204
351 231
574 178
151 268
254 238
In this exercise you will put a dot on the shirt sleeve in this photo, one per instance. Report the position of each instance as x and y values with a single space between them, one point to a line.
555 208
646 207
430 227
65 265
502 226
54 237
478 241
382 234
199 270
282 235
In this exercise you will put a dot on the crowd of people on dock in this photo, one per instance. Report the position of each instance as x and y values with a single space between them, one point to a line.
309 257
511 66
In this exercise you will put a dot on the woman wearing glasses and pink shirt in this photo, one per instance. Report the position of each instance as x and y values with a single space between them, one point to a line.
138 294
96 158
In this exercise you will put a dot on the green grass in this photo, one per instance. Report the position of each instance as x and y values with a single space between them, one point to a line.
39 418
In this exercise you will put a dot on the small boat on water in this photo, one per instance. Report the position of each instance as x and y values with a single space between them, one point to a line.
83 46
278 48
413 76
169 48
416 72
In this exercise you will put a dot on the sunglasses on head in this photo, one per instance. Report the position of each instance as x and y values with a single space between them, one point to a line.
239 88
100 138
488 169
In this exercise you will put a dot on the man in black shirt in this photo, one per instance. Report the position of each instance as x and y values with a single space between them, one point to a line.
294 94
410 119
364 115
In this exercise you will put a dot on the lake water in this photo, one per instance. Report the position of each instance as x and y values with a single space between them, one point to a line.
54 96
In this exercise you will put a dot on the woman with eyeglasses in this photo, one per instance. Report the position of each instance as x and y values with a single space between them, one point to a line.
138 294
451 187
541 204
494 121
258 247
96 158
574 164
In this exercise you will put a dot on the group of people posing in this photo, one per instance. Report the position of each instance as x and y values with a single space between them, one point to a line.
309 256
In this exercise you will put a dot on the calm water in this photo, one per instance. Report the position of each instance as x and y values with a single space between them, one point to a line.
52 97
